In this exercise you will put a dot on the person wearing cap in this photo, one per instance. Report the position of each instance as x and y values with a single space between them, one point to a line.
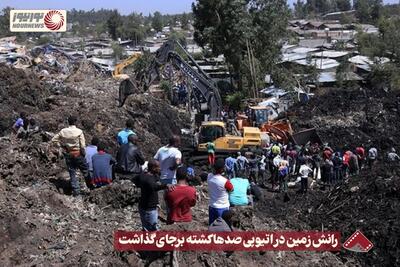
218 189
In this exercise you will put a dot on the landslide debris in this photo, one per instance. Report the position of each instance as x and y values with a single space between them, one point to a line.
19 91
352 117
369 201
42 225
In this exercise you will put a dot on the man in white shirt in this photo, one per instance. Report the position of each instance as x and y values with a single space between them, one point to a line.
372 156
304 171
72 140
218 189
170 158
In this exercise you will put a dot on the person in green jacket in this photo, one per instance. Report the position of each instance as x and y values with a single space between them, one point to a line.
211 153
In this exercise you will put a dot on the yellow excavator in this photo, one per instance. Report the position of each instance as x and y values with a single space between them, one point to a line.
215 131
117 73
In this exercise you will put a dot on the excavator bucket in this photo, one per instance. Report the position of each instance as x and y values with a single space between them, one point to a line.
126 88
279 130
276 133
309 135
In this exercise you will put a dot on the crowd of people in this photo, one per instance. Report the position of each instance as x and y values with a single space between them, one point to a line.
234 180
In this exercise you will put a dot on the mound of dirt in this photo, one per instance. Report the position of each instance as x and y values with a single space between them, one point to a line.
118 195
83 70
43 225
354 117
19 91
370 201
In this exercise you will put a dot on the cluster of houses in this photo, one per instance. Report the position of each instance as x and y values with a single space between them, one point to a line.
326 44
321 45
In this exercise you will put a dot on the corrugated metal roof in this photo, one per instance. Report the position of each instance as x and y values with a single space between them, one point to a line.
329 77
364 60
303 50
320 64
330 54
314 43
293 57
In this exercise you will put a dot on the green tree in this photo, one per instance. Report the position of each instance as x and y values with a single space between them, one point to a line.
390 35
316 7
384 77
114 22
117 51
300 10
269 20
178 36
5 22
370 44
157 22
368 11
100 28
343 5
133 28
246 32
234 100
184 19
43 40
221 25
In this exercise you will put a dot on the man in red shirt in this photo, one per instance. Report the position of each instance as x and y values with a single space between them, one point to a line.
181 199
360 151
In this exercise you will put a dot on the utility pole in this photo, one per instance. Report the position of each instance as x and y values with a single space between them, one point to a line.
251 69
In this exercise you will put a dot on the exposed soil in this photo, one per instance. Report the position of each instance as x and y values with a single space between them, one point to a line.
42 225
370 201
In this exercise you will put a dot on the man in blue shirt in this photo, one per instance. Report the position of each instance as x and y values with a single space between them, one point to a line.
21 122
122 137
238 197
102 167
89 152
230 164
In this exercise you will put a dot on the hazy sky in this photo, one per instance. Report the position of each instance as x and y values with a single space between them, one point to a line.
124 6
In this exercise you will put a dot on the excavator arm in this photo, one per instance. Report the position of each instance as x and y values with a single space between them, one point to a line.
117 73
205 93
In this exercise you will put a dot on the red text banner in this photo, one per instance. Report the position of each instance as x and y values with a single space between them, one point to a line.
227 241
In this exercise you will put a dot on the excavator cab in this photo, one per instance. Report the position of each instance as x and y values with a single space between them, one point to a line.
255 116
215 131
259 115
211 131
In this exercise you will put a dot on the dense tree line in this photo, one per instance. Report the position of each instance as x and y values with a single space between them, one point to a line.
367 11
246 32
134 26
312 8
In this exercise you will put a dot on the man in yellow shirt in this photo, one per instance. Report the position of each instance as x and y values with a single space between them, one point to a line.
72 140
